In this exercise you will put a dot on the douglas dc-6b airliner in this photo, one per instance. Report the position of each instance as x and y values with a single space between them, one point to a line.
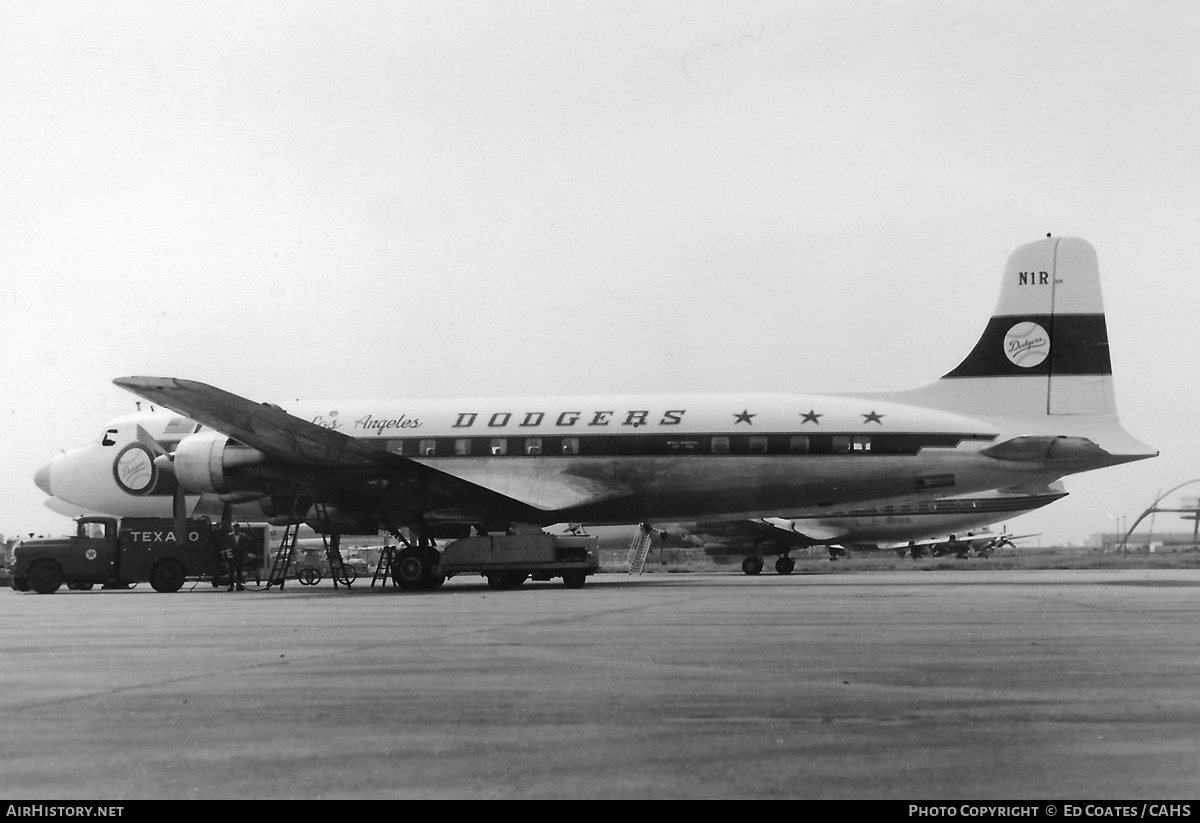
1031 403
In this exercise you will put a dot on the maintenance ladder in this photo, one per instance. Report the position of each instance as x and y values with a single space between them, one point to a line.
383 572
287 548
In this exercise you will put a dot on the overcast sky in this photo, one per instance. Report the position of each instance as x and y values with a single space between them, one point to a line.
384 199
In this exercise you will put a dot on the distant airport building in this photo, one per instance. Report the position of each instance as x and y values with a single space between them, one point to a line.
1145 542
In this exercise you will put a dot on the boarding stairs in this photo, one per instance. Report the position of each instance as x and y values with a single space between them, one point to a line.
638 549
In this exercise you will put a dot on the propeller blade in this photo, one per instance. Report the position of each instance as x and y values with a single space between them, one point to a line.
149 442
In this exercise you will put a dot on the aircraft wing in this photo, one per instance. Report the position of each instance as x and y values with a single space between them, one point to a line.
786 532
1012 537
259 425
328 458
968 540
808 534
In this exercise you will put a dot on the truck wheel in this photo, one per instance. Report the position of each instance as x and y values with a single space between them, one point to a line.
574 580
45 577
167 576
19 584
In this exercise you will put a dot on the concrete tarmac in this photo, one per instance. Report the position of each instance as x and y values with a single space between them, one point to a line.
913 685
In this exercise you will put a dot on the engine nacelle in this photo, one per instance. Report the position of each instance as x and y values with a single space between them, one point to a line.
202 460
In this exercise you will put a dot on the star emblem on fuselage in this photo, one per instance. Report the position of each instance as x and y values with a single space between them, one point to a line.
810 416
744 417
872 417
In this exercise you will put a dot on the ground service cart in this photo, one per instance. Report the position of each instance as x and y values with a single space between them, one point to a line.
506 560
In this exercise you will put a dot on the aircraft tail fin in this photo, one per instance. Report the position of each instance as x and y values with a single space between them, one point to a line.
1045 349
1048 329
1044 354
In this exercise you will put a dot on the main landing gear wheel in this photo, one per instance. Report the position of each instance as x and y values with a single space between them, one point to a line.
785 565
752 565
414 569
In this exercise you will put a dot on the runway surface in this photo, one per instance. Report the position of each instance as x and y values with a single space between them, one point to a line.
915 685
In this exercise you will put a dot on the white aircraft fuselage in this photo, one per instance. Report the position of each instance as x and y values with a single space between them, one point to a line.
1031 403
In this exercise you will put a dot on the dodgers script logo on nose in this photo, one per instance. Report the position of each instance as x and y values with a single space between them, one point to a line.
1026 345
134 469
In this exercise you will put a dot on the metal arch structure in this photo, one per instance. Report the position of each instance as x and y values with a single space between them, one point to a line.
1154 509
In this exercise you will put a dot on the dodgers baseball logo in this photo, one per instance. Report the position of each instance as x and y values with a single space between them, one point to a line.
134 469
1026 345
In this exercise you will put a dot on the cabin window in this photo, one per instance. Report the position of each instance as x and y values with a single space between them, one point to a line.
841 443
462 446
428 448
570 445
395 446
862 443
799 444
533 446
499 445
720 445
758 445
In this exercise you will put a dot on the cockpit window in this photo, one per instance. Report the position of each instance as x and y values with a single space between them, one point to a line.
107 439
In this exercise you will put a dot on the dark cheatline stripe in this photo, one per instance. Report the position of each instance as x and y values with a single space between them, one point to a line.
1078 345
790 444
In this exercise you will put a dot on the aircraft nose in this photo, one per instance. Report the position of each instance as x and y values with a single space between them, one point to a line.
41 478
